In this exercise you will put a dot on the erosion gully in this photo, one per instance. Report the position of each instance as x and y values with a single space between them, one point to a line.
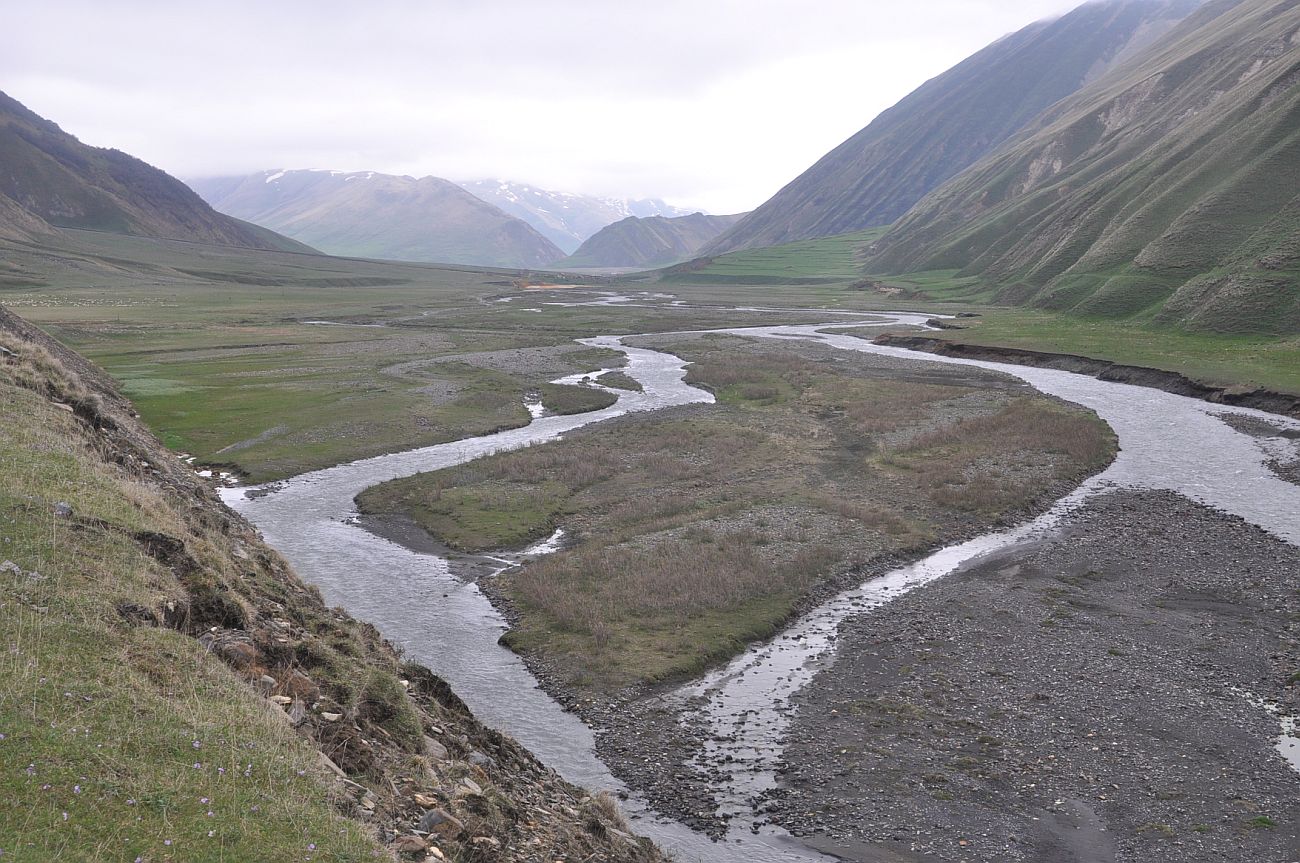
1166 442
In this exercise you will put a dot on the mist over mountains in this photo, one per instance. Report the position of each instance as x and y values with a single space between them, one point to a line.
566 218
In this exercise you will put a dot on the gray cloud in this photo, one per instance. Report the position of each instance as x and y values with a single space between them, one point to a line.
713 103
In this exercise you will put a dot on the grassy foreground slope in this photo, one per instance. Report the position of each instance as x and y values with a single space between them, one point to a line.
1166 190
169 690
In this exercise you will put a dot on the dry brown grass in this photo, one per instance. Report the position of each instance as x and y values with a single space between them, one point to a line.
987 463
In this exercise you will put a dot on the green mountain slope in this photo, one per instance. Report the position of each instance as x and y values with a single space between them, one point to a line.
654 241
48 176
952 121
1169 189
372 215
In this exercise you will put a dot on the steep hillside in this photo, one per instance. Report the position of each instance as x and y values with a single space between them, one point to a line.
949 122
564 218
171 691
654 241
1169 189
372 215
18 224
53 178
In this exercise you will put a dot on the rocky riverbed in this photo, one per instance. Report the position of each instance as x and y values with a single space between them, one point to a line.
1086 698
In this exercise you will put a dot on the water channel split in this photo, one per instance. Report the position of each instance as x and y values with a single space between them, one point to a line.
1166 442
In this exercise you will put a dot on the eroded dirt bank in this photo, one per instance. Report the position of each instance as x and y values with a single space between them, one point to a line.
1083 699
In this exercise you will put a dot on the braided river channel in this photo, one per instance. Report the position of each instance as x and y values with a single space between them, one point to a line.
1167 442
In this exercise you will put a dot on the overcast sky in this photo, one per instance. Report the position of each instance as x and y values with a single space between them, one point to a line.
706 103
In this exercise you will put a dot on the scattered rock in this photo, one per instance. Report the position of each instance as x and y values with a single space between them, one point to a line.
478 759
442 823
233 645
63 510
410 844
331 766
301 686
434 749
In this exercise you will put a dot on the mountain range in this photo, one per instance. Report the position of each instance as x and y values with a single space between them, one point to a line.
952 121
1168 189
50 180
372 215
565 218
651 241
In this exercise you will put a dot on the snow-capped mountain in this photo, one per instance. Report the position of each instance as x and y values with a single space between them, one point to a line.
565 218
368 214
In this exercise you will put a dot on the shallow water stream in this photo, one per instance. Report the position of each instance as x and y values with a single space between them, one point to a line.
1167 442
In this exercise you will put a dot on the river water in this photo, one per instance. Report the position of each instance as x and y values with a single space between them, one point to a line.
1166 442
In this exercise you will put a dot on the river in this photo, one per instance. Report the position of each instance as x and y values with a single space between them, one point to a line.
1166 442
